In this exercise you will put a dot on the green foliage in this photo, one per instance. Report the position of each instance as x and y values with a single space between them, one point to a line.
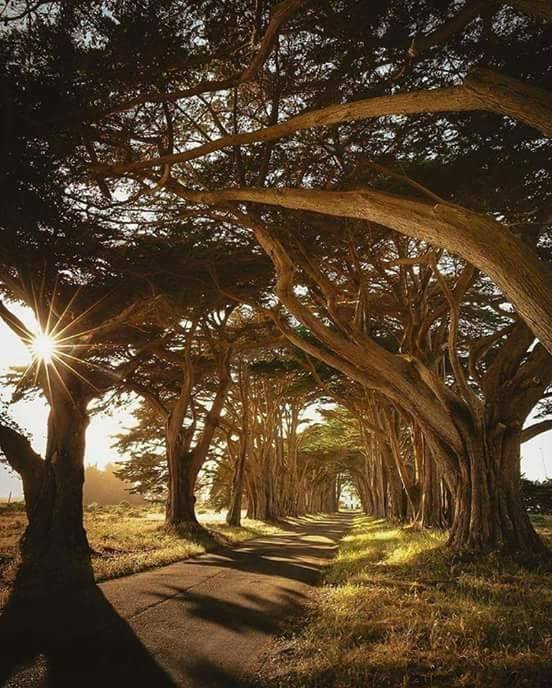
145 469
336 439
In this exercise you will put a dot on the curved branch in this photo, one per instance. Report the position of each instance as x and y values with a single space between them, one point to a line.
511 264
15 324
367 362
18 451
451 27
453 99
282 12
482 90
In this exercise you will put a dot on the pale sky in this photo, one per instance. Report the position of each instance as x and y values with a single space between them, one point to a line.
536 454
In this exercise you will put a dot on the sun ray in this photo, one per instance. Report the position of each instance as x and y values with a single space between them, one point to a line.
80 317
67 390
49 385
76 372
36 372
36 310
51 304
71 301
90 364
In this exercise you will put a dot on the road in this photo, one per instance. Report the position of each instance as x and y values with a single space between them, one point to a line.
196 623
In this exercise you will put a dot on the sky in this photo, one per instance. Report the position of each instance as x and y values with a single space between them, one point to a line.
536 454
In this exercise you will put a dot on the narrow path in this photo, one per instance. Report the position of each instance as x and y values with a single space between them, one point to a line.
197 623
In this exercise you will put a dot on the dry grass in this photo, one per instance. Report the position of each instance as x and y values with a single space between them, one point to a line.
398 610
128 539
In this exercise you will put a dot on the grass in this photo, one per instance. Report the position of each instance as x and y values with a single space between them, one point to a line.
127 539
398 610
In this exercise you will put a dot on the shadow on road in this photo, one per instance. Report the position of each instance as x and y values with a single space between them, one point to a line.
289 557
74 639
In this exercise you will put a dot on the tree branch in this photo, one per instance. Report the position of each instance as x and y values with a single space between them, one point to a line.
15 324
282 12
483 90
18 451
535 429
514 267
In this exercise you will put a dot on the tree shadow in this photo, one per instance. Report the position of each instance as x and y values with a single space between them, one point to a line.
243 612
285 556
194 637
70 637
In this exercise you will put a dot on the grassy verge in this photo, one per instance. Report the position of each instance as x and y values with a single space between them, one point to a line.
398 610
128 539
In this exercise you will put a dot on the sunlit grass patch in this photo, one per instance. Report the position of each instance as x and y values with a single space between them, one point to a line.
398 610
136 543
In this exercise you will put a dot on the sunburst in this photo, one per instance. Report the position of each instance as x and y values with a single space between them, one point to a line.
44 347
50 349
59 349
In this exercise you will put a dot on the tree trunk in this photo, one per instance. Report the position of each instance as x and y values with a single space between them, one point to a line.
260 504
180 511
329 504
54 547
431 508
364 494
488 511
233 518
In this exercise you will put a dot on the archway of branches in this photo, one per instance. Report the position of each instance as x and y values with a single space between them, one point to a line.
312 240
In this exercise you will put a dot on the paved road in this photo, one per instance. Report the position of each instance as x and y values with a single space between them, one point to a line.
197 623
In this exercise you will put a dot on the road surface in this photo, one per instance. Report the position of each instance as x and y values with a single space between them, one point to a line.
196 623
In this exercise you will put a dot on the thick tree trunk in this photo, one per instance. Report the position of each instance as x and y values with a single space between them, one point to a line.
397 505
54 548
379 483
259 507
488 511
53 496
432 514
251 499
272 502
180 510
364 494
328 502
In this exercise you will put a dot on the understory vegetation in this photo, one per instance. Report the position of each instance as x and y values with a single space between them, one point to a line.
127 539
398 609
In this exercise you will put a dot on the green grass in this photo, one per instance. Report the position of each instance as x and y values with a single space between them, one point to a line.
127 540
398 610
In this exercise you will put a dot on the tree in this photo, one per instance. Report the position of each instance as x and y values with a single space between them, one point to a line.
187 383
83 325
473 435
